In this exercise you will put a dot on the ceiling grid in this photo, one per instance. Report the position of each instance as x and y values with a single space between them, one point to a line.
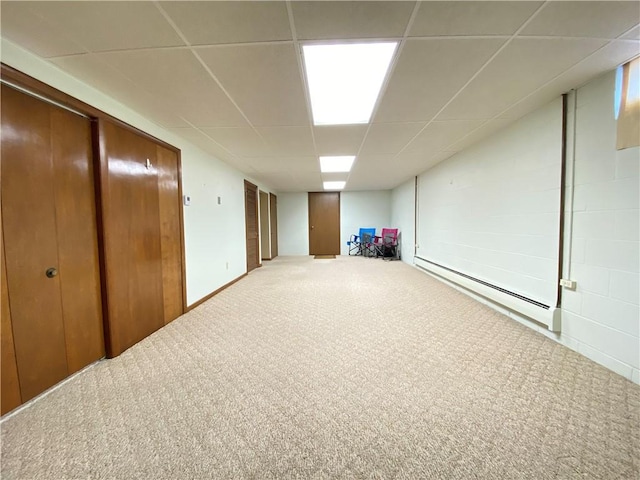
229 76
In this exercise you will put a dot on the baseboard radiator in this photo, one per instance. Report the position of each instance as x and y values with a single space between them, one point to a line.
541 313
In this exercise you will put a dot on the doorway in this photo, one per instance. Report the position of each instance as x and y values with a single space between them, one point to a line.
265 248
52 302
273 216
251 223
324 223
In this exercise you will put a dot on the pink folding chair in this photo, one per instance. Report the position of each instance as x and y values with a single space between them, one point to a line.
386 245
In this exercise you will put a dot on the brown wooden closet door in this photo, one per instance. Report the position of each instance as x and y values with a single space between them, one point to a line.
132 245
170 205
324 223
10 386
29 227
47 181
251 222
273 217
78 259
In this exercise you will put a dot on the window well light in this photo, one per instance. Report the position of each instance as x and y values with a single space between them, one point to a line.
333 185
336 164
345 80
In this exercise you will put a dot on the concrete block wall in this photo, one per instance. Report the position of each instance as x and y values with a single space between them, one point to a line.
601 318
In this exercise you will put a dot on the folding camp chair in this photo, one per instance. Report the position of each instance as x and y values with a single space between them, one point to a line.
386 245
358 244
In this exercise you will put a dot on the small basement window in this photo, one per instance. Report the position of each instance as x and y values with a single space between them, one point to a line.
627 104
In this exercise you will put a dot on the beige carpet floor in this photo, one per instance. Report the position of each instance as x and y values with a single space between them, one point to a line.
345 368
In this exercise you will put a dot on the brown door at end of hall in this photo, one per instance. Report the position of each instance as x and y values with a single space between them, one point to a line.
324 223
52 310
273 217
251 222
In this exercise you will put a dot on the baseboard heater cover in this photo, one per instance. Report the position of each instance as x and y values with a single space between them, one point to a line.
548 316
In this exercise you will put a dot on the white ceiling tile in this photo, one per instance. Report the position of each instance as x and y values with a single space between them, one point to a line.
439 136
211 147
306 182
335 176
522 67
428 73
615 53
339 139
471 18
239 164
366 174
606 19
97 73
486 130
22 25
104 25
287 141
373 160
172 88
350 19
368 181
264 80
209 23
176 76
633 34
301 164
201 141
240 141
389 138
438 157
417 163
280 182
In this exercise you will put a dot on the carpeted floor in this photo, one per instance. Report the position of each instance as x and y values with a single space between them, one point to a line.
345 368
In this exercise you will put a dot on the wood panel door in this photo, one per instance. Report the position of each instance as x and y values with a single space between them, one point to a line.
50 241
273 218
132 237
171 240
324 223
10 385
251 223
265 226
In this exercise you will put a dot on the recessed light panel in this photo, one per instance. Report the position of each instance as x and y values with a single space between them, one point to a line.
336 164
345 80
333 185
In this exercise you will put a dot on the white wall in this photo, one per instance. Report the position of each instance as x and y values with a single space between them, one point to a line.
214 234
363 210
403 210
601 319
293 223
493 210
357 209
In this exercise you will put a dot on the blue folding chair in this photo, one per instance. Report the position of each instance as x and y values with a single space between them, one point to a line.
358 244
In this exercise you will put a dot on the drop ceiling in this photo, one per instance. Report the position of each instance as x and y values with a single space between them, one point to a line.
228 76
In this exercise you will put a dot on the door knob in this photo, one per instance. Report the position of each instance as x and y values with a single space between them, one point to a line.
51 272
311 227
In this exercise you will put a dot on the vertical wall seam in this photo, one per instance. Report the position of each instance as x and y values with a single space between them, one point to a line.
563 174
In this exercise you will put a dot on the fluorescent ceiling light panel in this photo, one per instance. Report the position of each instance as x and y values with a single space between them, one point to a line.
333 185
345 80
336 164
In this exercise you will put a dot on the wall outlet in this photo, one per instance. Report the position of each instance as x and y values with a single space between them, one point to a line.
227 265
569 284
